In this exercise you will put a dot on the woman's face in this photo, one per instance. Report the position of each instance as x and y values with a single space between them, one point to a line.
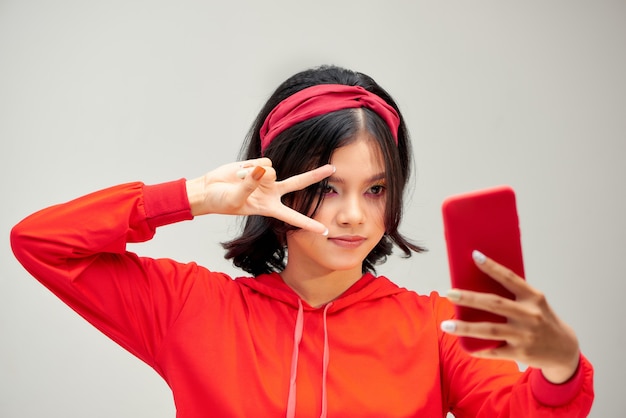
353 210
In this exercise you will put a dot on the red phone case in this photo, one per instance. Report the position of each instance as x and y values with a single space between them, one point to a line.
484 220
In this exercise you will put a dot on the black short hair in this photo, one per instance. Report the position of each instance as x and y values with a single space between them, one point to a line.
261 248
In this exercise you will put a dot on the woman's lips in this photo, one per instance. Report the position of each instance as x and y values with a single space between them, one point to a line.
348 241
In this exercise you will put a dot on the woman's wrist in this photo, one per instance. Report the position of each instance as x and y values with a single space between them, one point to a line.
196 195
558 374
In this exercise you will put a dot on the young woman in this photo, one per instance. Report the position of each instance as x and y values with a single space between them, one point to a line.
311 331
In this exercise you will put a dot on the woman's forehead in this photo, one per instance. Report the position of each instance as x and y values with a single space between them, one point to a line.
363 154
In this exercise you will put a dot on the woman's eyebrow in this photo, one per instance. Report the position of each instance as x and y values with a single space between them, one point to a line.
371 179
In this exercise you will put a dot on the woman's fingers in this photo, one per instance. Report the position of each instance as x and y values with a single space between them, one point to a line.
300 181
299 220
291 184
488 302
484 330
250 188
503 275
251 177
264 161
243 168
262 193
505 352
532 332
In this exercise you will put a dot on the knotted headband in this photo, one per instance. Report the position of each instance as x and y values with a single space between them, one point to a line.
319 100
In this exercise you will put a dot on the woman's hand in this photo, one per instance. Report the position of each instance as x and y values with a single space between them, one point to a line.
533 333
250 188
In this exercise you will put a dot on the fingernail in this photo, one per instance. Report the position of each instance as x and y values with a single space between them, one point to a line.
334 169
257 173
242 173
454 295
448 326
478 257
325 233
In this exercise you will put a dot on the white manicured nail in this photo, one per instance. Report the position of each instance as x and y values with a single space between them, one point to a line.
242 173
448 326
454 295
478 257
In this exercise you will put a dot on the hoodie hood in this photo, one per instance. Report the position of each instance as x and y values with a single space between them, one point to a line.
367 288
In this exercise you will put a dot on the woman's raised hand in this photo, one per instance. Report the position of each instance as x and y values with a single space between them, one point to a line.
250 188
533 333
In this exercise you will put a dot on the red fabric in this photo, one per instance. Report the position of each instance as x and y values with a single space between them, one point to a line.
545 391
225 346
319 100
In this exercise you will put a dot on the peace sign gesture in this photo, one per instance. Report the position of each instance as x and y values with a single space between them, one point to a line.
250 188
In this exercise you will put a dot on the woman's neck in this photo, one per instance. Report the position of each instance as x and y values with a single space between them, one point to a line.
318 290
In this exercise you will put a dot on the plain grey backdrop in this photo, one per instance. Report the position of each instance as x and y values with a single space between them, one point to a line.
526 93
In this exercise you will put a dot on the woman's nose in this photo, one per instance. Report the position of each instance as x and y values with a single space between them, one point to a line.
351 211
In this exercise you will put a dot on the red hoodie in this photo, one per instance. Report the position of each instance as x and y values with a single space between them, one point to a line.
250 347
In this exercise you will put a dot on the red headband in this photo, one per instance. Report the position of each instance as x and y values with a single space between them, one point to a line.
319 100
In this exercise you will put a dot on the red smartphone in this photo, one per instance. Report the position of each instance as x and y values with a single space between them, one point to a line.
484 220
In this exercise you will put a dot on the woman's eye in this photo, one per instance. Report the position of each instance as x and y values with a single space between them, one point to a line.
326 189
376 190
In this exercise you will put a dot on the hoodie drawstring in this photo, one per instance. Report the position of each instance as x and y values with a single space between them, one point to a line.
297 338
325 367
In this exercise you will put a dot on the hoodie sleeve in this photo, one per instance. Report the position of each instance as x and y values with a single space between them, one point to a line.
482 388
78 251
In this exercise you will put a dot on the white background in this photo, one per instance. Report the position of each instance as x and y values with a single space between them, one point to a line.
526 93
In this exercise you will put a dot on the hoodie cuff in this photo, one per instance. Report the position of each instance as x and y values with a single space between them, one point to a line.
552 394
166 203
